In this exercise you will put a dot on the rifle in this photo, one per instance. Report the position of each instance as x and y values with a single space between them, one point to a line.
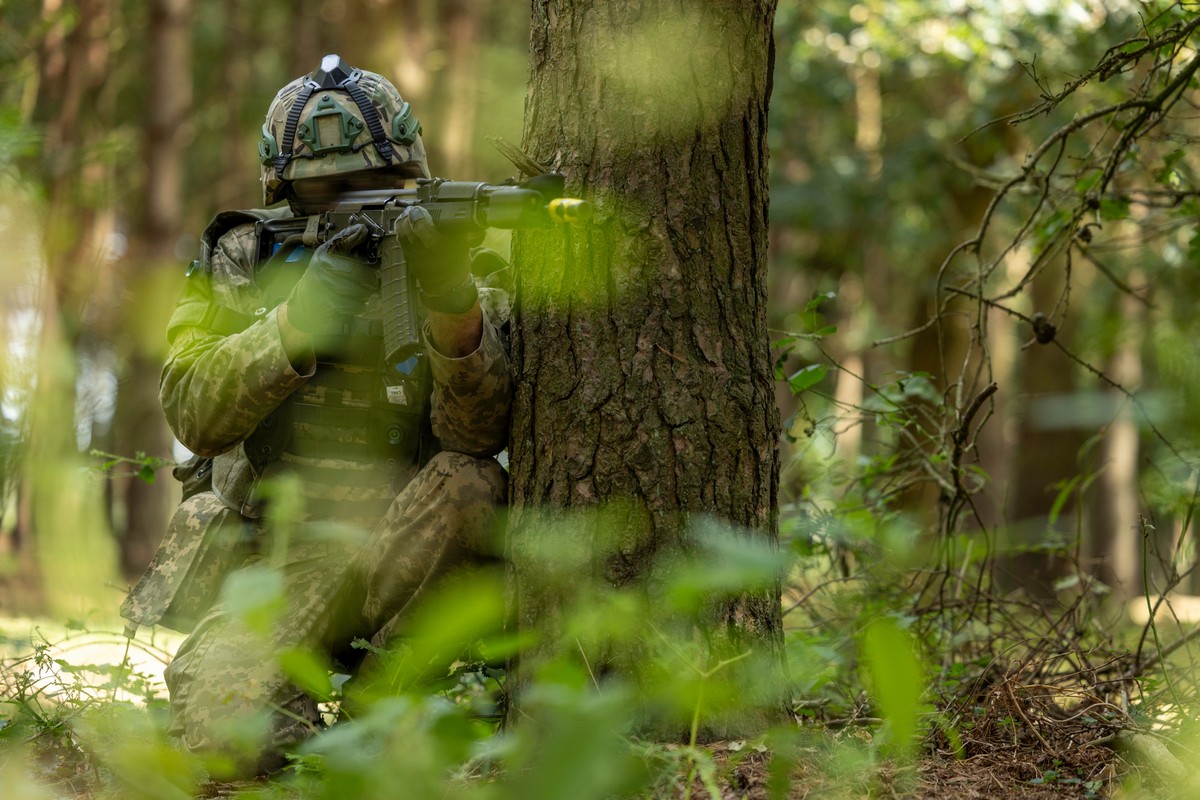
458 208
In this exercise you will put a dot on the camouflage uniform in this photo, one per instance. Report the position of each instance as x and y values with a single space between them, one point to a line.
379 525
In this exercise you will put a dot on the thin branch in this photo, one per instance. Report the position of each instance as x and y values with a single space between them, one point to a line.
1133 398
1112 278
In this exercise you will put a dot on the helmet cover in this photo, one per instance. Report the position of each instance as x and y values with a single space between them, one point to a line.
334 121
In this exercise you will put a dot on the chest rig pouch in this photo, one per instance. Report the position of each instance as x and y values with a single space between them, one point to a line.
355 430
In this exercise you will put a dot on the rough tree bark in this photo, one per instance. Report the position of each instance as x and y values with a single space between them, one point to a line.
645 383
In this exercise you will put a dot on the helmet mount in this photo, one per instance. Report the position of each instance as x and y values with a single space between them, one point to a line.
332 73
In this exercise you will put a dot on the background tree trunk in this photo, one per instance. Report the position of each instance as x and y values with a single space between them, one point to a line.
645 383
60 536
459 22
140 426
241 41
1116 544
1048 455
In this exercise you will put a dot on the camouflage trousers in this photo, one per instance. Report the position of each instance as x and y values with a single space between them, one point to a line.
228 695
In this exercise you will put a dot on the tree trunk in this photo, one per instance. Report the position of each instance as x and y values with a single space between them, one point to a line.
1046 456
241 41
1116 541
645 387
58 535
73 61
140 427
412 65
459 24
319 30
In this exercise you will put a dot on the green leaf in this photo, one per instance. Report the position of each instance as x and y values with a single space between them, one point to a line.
783 349
1168 168
1066 488
726 563
919 387
708 771
897 680
146 473
1085 184
1114 208
807 377
305 670
1050 226
818 299
1068 582
254 595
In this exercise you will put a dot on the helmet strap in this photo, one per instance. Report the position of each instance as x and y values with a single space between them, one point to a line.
327 78
370 116
289 128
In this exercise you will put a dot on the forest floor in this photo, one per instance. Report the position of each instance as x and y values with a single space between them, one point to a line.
1019 773
1022 771
1028 773
1026 749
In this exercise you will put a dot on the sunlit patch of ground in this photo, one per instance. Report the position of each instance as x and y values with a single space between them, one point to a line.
51 662
50 674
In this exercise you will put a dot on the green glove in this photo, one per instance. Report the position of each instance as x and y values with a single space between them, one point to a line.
335 286
441 263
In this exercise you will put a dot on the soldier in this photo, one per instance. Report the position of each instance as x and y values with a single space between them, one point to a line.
275 371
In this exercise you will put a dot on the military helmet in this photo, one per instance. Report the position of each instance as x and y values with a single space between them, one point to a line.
337 120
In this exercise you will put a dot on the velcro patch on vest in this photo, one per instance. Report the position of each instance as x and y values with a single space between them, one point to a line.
397 395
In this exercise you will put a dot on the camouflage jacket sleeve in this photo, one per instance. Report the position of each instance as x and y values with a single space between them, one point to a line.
216 388
472 395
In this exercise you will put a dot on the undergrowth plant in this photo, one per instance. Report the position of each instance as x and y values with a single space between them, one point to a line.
903 646
900 648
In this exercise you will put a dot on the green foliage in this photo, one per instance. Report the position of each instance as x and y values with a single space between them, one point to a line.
422 719
900 641
255 596
18 141
144 467
897 679
904 132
